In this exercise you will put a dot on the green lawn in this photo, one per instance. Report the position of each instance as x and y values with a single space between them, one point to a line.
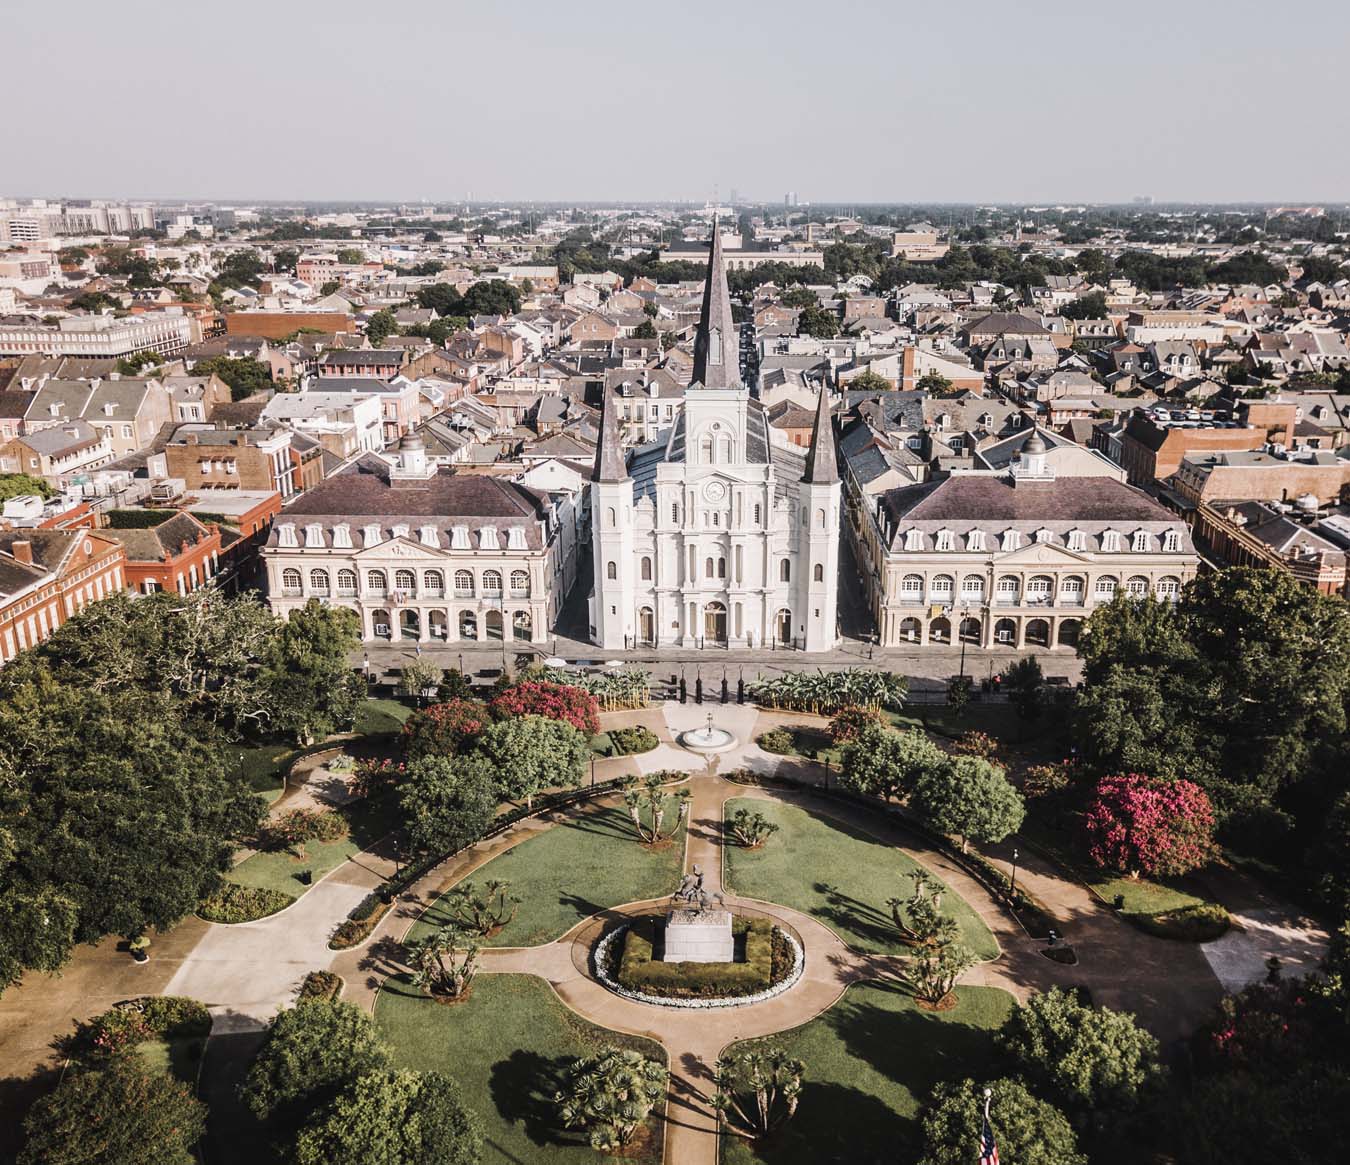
871 1061
263 767
587 864
277 869
376 717
506 1046
835 873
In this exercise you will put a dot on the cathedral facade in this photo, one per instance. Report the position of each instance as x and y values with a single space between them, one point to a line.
716 535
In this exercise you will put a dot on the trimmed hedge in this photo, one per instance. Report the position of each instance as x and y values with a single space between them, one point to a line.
235 903
640 970
133 1021
779 740
1202 922
364 918
633 740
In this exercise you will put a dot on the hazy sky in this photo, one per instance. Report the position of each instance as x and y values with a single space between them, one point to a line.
866 100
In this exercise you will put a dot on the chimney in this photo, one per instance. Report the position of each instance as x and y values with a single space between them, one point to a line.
22 551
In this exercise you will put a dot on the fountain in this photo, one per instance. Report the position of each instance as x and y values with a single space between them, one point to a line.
707 740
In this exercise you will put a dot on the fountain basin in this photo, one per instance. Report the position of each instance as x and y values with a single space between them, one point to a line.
707 741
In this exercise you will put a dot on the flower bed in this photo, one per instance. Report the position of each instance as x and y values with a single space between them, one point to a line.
624 963
324 985
234 903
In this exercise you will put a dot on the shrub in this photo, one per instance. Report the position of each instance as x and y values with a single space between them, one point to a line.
1046 780
970 798
565 702
1201 922
825 692
630 741
975 743
364 918
1027 1129
1145 825
610 1095
444 729
752 830
296 827
848 722
372 777
236 903
778 740
321 985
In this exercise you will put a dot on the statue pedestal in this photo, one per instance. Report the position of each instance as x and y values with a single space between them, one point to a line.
699 936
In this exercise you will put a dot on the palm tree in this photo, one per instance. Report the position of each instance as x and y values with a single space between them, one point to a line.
611 1095
758 1089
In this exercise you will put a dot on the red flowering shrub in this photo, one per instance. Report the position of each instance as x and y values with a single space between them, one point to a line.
976 743
1146 825
1264 1025
444 729
574 706
372 776
849 721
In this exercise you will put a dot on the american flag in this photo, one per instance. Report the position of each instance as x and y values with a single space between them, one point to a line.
988 1146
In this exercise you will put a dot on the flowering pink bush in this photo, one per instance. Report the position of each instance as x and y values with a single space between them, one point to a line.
574 706
1145 825
444 729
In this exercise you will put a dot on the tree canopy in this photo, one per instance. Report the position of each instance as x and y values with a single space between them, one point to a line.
1026 1129
533 753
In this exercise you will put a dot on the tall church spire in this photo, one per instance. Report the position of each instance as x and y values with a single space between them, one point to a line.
610 465
716 347
822 466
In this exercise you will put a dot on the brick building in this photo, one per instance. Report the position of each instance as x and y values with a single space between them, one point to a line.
179 555
46 576
1154 443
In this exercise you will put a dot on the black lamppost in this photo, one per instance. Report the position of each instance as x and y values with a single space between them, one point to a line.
1012 884
365 667
592 770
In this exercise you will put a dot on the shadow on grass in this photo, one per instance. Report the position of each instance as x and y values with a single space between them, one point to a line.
833 1123
605 823
846 913
523 1086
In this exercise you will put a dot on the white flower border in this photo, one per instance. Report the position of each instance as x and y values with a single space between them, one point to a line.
602 949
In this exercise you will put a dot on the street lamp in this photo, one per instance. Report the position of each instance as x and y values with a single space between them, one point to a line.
1012 884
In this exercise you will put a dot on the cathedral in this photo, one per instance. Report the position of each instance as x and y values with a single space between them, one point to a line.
715 535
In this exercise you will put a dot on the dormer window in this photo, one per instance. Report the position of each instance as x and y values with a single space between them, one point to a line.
370 535
515 538
975 540
314 535
1077 540
1044 535
1111 542
944 540
342 536
399 531
487 538
286 535
913 540
459 538
1140 542
1011 540
1171 542
429 537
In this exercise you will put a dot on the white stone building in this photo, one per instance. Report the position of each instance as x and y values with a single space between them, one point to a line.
1011 559
425 555
714 535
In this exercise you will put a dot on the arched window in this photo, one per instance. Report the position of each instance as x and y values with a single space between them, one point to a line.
705 448
1008 589
346 582
611 570
464 584
911 588
708 568
318 582
819 572
405 581
820 519
433 583
520 584
724 452
1105 587
721 568
492 582
1071 589
1039 588
376 582
1136 586
1169 587
972 587
290 580
940 588
646 569
613 517
785 570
